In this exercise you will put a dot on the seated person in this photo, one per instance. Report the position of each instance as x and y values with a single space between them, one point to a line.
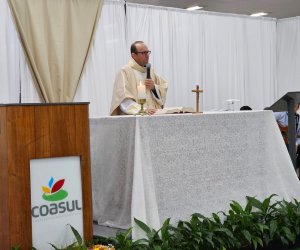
282 120
125 93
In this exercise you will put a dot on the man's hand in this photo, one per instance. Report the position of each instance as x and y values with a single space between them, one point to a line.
149 84
151 111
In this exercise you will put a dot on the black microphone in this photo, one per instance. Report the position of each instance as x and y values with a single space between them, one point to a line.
148 66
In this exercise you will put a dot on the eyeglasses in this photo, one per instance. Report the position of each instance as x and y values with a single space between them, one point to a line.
144 52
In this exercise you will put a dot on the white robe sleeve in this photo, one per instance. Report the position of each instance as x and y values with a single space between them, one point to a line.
130 107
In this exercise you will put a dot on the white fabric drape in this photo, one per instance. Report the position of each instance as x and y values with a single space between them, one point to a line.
288 39
239 60
9 57
230 56
108 54
177 165
176 42
16 83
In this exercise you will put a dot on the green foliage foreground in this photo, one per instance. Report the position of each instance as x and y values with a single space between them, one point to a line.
259 225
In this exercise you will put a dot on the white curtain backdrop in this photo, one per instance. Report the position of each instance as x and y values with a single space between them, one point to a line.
16 85
108 54
229 56
9 57
239 60
175 38
288 40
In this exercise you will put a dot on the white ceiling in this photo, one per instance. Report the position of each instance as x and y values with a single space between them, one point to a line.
277 8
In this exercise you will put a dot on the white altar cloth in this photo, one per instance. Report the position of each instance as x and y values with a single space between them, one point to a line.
153 168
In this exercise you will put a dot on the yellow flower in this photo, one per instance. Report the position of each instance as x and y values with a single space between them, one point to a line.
102 247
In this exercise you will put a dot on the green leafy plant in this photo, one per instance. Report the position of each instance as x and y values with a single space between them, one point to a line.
262 225
258 225
78 244
16 248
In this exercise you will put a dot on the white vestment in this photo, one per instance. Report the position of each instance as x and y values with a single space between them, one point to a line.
125 87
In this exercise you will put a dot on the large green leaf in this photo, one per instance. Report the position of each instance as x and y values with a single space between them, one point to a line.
255 202
143 226
236 207
216 218
247 235
77 235
266 202
273 228
291 237
226 231
56 248
258 241
165 230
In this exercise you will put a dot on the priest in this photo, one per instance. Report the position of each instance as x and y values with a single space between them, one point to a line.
125 93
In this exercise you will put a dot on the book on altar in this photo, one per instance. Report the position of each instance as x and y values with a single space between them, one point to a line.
174 110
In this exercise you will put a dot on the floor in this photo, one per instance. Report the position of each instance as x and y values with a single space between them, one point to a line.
106 232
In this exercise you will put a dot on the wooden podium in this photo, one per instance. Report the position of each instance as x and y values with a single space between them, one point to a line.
33 131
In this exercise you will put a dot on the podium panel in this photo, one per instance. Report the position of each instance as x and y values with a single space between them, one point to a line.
36 131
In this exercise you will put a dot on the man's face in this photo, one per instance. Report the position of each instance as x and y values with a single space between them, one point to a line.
142 55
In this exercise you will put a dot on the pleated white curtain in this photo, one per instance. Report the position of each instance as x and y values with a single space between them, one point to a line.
9 57
288 40
230 56
108 54
175 38
240 60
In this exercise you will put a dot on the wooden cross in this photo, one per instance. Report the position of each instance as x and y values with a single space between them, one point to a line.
197 91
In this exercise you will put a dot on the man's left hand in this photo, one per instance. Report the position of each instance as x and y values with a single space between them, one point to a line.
151 111
149 84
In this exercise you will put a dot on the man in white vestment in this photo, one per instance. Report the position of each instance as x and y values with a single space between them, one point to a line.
125 93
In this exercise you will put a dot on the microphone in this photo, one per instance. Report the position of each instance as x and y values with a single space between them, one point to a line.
148 66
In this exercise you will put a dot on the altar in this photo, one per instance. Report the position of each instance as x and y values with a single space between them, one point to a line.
171 166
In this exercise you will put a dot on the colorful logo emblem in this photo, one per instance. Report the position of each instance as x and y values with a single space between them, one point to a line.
54 192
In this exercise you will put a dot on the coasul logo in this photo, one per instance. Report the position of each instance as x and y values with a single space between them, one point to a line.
54 192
